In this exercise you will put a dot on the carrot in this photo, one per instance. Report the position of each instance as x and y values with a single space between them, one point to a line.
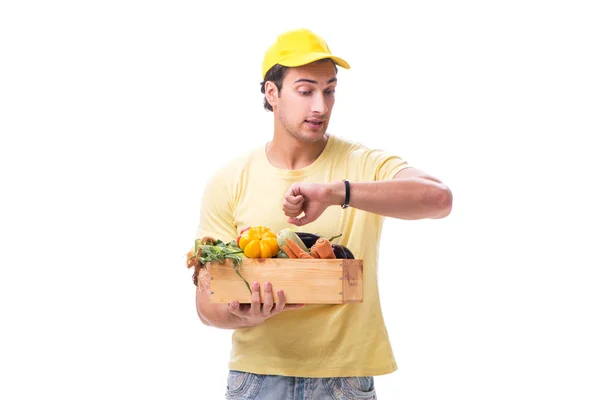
289 252
306 255
298 252
314 252
323 248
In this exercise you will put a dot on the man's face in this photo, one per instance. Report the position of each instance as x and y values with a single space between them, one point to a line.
306 99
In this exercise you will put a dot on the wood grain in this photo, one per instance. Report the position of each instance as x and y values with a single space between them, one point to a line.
304 281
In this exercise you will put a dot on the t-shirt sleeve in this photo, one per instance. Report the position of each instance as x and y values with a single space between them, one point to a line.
216 212
381 165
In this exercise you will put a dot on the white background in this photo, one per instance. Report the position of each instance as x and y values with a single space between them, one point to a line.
113 115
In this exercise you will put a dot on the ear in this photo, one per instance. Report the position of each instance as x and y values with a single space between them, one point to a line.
271 93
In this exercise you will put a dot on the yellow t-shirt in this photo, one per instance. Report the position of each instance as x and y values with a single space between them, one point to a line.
317 340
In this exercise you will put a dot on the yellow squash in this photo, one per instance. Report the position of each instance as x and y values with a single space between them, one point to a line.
258 242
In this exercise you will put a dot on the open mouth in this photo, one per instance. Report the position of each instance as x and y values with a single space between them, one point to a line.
314 123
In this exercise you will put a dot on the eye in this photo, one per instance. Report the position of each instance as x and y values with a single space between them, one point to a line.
330 92
304 92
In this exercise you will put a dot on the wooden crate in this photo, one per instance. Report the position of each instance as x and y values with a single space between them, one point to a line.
319 281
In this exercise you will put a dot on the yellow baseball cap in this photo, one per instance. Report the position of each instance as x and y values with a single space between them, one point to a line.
298 47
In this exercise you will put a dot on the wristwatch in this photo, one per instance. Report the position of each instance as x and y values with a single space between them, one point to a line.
347 199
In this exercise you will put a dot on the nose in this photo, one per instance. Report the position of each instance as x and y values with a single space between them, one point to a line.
319 106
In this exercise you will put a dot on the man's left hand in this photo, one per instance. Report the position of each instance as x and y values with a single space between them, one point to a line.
312 199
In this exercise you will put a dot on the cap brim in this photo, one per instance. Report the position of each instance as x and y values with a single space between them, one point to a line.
296 61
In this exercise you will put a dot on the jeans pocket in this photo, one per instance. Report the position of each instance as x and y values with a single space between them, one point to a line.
362 384
352 388
242 385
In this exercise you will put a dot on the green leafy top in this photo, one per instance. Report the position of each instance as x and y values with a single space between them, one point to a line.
220 251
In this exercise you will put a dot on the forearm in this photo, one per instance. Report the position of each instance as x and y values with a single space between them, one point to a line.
404 198
217 314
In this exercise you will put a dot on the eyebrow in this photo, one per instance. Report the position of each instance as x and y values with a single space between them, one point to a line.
313 81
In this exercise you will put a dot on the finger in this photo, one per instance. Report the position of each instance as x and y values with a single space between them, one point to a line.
300 221
294 190
255 301
268 304
294 200
280 302
234 308
292 212
292 207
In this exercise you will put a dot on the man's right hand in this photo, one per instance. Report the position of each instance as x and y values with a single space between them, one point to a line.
255 313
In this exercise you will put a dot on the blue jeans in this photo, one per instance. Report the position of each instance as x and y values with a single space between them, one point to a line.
247 386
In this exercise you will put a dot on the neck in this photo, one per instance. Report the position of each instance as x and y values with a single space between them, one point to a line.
287 152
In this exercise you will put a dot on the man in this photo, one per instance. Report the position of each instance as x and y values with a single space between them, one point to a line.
305 177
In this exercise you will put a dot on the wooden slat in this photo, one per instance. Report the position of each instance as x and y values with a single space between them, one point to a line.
303 281
353 281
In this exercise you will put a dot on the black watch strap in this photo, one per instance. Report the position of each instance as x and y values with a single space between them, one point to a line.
347 199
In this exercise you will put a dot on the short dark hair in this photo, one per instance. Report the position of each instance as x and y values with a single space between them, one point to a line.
276 75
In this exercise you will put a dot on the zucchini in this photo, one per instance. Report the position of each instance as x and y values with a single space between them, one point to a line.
281 254
290 234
